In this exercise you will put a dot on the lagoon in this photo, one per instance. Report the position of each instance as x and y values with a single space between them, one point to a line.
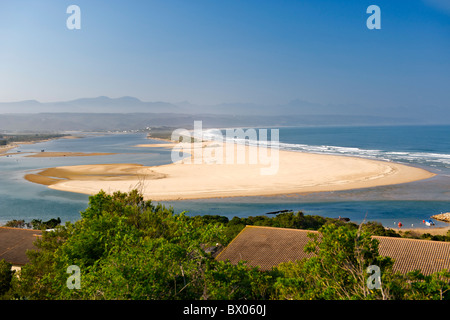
426 147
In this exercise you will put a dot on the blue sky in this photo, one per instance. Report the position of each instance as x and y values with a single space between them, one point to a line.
222 51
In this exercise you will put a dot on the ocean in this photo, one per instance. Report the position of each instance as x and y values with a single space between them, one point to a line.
426 147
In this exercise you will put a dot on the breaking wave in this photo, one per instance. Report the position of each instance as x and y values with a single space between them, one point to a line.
431 159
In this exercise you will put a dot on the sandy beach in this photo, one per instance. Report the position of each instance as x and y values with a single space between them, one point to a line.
296 173
435 231
4 152
5 149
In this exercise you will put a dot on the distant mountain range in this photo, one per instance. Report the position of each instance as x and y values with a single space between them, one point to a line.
128 113
100 104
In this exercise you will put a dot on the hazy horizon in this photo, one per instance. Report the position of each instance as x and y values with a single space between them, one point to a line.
320 54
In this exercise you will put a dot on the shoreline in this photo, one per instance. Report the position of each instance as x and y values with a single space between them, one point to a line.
4 149
67 154
434 231
298 172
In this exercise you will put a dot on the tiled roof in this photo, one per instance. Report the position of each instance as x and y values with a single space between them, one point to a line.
414 254
266 247
14 243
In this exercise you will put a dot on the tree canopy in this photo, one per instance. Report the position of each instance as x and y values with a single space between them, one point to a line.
128 248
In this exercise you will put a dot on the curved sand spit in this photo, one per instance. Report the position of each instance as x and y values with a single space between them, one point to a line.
297 173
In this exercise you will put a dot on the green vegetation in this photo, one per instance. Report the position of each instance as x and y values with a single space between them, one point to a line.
163 132
297 220
284 220
9 138
6 279
128 248
338 271
35 224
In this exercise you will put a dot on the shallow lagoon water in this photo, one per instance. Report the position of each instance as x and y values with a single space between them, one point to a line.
425 147
20 199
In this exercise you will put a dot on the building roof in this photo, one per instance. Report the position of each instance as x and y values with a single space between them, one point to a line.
267 247
414 254
14 243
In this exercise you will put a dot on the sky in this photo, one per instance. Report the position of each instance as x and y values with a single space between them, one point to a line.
225 51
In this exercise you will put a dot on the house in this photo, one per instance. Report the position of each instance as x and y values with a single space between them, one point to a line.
267 247
14 243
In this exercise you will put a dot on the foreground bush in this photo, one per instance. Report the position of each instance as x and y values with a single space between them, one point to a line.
128 248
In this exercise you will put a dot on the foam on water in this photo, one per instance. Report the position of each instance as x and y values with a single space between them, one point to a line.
433 159
426 147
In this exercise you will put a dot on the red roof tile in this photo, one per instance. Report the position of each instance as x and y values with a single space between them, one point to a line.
14 243
266 247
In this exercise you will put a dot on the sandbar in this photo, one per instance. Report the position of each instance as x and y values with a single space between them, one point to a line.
6 148
101 173
297 173
67 154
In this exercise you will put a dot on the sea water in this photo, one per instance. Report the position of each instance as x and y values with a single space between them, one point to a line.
426 147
